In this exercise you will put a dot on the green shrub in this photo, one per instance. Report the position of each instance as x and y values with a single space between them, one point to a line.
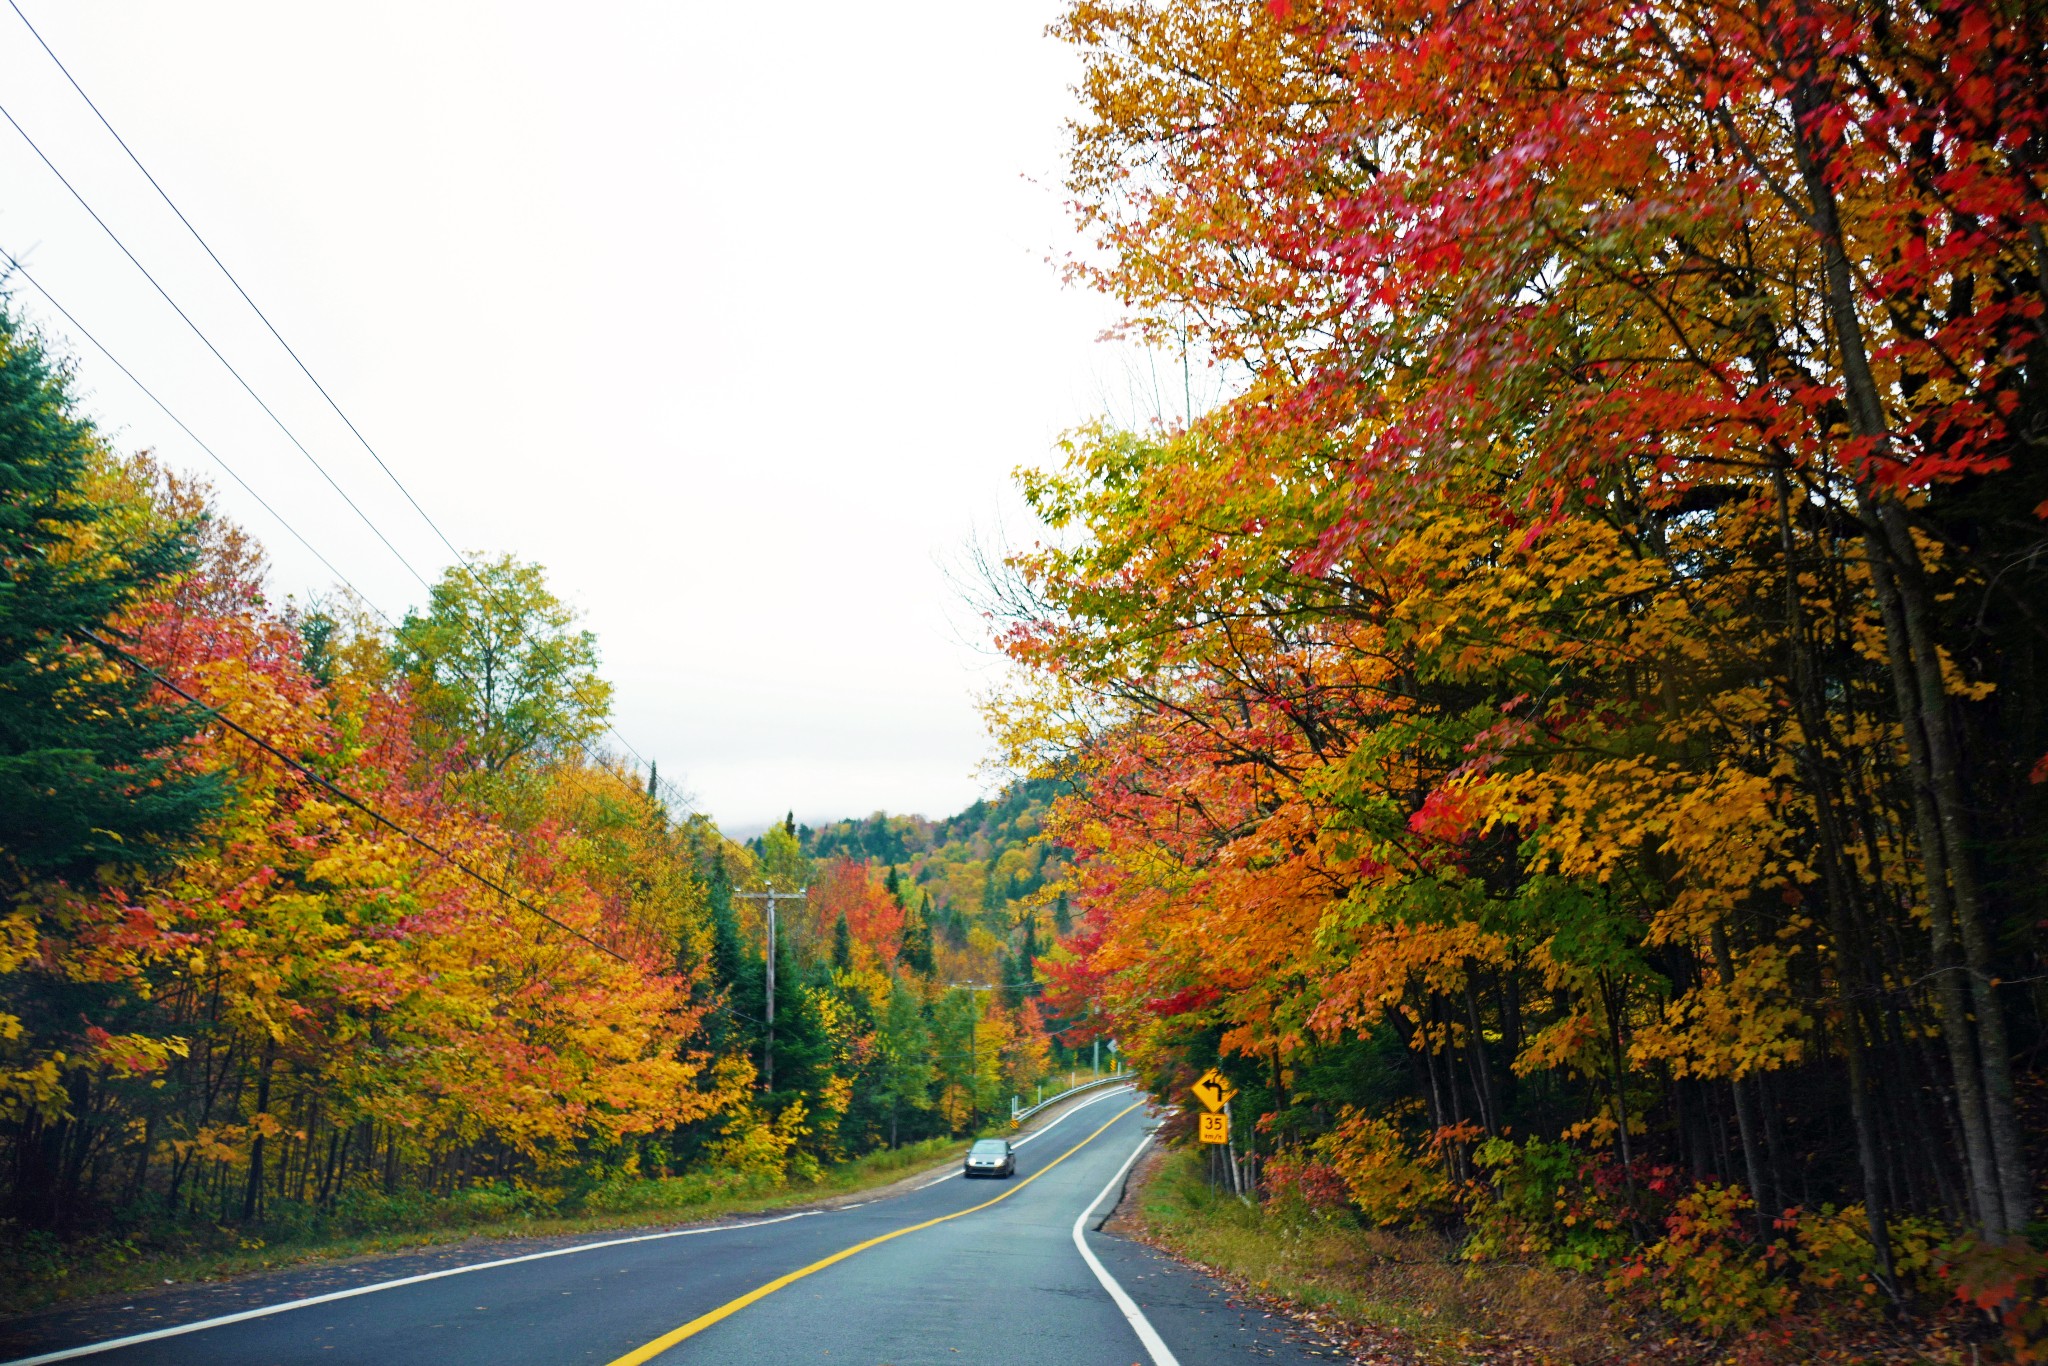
370 1211
636 1195
1541 1200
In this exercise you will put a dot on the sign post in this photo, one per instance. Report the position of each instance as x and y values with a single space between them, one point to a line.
1212 1126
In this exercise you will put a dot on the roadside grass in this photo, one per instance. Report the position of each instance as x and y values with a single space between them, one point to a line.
38 1270
1406 1285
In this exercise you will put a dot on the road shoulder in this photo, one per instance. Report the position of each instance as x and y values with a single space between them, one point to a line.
1202 1313
1372 1295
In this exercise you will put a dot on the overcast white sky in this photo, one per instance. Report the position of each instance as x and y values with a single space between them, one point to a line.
737 319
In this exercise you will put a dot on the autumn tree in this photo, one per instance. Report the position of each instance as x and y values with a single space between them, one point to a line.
94 794
915 944
1568 658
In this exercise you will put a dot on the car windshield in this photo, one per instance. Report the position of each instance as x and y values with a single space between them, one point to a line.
991 1147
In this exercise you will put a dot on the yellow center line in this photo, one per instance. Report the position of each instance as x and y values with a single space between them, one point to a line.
697 1325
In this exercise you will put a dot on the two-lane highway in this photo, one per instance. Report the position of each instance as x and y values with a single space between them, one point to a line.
955 1271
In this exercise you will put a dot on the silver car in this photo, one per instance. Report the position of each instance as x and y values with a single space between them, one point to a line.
991 1157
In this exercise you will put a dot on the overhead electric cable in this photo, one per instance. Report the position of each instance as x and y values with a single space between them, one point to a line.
198 332
215 258
15 264
461 558
150 394
142 667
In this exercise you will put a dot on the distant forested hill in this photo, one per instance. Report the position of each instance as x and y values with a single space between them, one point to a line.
983 870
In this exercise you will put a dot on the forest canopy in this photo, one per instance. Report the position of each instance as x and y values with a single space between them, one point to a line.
1569 734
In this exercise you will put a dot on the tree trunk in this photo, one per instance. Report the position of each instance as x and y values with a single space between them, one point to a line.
1475 1053
1745 1122
1916 664
252 1194
1944 765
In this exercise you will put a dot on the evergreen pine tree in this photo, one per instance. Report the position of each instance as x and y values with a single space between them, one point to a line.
914 947
803 1051
316 636
89 774
842 943
1062 917
906 1072
1019 977
735 978
735 969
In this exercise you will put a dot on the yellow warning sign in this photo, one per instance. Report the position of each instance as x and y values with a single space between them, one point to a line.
1214 1090
1215 1128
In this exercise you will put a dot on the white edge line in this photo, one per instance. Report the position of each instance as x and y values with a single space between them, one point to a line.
1034 1134
157 1334
1161 1354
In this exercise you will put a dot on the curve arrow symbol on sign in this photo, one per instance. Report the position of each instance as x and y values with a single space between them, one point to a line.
1214 1090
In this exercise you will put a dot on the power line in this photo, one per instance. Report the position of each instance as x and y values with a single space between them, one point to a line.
351 798
14 262
150 394
142 667
460 557
115 238
257 309
215 258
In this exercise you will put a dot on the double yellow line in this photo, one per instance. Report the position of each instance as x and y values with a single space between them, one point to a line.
697 1325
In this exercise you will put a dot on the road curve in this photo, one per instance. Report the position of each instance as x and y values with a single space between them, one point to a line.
955 1271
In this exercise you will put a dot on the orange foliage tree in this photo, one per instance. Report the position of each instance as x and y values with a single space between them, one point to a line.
1579 687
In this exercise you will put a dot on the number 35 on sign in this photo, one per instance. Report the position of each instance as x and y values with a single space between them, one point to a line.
1215 1128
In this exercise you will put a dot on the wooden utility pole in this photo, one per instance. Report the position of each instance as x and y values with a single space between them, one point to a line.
973 1064
771 896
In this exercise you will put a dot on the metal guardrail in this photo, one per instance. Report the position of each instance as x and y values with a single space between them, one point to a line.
1019 1116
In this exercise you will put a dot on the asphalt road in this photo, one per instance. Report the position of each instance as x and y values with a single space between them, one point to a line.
982 1271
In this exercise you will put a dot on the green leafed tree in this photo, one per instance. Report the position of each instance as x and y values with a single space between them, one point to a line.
497 662
780 860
